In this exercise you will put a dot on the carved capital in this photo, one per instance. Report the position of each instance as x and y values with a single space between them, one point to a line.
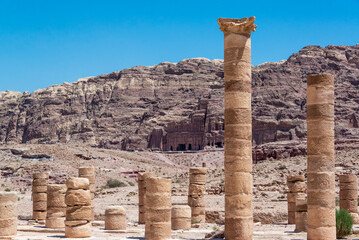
240 26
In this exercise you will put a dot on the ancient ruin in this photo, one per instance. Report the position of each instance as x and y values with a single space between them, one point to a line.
79 208
297 189
348 194
158 208
115 218
238 125
142 195
89 173
301 215
8 213
320 163
39 195
196 194
181 217
202 129
56 206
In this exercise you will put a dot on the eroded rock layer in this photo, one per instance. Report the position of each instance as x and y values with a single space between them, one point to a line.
135 107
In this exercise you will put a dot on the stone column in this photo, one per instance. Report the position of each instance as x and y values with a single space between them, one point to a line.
297 189
89 173
142 195
8 213
79 209
56 207
320 151
348 195
196 194
301 215
115 218
39 195
181 217
238 127
158 208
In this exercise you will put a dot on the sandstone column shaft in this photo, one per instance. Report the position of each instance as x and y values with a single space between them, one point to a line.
142 195
348 194
56 207
39 195
181 217
79 208
8 213
297 189
238 127
89 173
196 194
115 218
301 215
320 165
158 208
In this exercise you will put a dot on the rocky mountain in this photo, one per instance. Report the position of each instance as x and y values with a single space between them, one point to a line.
132 108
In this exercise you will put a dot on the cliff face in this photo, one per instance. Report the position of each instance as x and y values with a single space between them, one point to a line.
130 109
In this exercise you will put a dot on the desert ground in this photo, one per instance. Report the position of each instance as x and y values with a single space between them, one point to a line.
61 161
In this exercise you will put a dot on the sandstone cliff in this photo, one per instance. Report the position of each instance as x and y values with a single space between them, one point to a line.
127 109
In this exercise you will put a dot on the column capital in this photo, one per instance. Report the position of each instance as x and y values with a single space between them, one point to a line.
234 25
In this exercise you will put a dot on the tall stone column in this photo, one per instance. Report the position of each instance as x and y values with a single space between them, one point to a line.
320 165
238 127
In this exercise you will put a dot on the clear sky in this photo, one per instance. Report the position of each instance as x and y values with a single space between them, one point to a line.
50 42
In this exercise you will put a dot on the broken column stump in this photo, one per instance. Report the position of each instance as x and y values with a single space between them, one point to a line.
297 188
39 195
158 208
181 217
56 206
301 215
8 213
115 218
348 195
196 194
89 173
142 176
79 208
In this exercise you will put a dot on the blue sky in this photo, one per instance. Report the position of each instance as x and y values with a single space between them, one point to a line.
50 42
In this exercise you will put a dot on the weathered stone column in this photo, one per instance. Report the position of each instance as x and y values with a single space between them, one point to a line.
301 215
89 173
79 209
297 189
320 165
158 208
39 195
8 213
56 206
196 194
115 218
181 217
238 127
348 195
142 195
